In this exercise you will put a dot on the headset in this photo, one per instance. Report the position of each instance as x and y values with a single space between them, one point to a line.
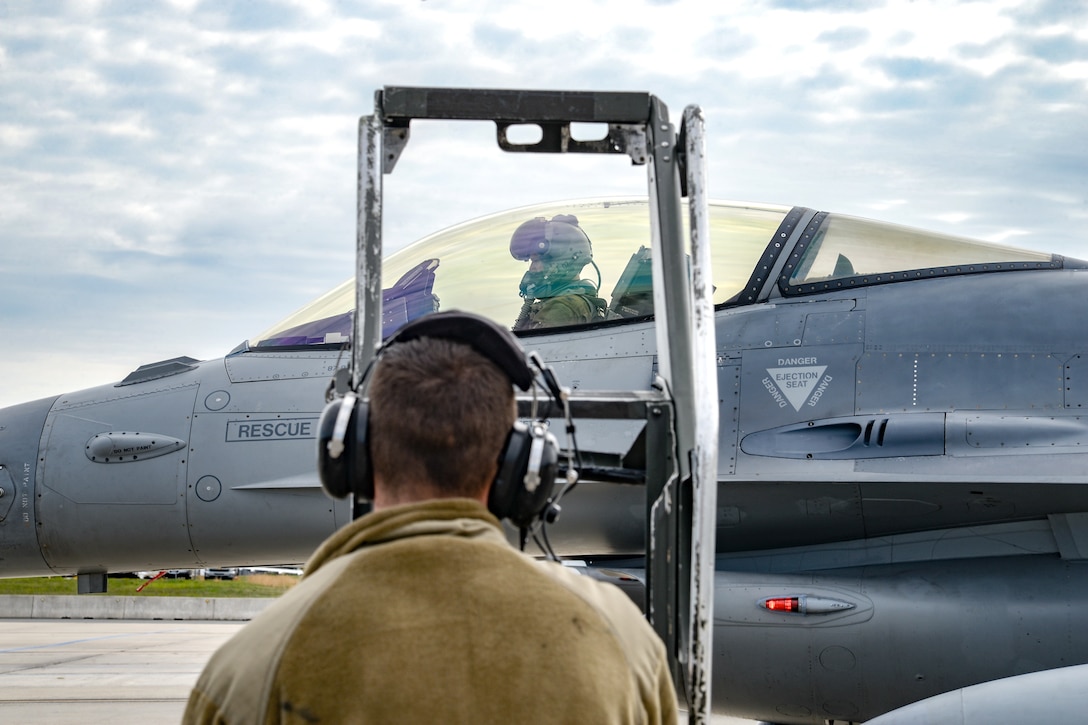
528 463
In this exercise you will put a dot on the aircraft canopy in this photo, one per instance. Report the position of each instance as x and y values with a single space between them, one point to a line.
470 267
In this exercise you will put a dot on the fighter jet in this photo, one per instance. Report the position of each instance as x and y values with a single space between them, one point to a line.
900 505
903 455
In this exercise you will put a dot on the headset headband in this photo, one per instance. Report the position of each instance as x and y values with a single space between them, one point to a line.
484 336
527 462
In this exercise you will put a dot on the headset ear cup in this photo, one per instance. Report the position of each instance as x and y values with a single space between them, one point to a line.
548 471
526 476
332 455
513 461
343 456
363 477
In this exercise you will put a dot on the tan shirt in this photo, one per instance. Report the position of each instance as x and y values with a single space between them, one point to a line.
425 614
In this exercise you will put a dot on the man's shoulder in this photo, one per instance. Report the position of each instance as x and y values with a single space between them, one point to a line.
235 683
644 650
609 600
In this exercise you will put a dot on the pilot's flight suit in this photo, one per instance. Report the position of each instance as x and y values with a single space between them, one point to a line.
425 614
578 304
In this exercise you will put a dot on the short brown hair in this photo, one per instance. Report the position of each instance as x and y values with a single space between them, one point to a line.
440 413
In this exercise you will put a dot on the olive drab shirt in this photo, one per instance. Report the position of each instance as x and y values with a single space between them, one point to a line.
574 303
425 614
565 310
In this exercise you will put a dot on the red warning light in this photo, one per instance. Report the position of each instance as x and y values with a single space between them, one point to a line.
782 604
806 604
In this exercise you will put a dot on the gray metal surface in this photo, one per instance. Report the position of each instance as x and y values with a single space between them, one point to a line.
704 456
1058 697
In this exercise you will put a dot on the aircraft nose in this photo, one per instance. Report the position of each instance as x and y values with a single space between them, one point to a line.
21 429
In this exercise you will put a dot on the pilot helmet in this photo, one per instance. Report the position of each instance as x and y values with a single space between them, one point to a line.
562 248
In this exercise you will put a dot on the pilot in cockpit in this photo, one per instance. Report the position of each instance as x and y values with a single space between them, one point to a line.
554 294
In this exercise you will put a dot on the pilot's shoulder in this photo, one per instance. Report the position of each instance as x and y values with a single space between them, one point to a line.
566 309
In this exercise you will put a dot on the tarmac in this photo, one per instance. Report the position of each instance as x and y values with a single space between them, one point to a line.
97 658
69 672
70 660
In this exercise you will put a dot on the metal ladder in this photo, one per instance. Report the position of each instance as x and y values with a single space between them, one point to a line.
681 487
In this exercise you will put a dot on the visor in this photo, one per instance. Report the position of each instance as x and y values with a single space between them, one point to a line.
529 239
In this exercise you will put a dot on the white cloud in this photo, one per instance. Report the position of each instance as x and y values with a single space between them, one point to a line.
16 137
954 218
190 166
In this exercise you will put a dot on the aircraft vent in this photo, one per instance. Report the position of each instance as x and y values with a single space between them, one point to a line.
853 437
161 369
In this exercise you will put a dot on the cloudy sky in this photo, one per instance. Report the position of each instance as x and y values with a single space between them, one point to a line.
176 176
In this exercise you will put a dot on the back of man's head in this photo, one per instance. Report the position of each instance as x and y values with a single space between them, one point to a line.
440 413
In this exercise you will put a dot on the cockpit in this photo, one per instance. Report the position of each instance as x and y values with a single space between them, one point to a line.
470 266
